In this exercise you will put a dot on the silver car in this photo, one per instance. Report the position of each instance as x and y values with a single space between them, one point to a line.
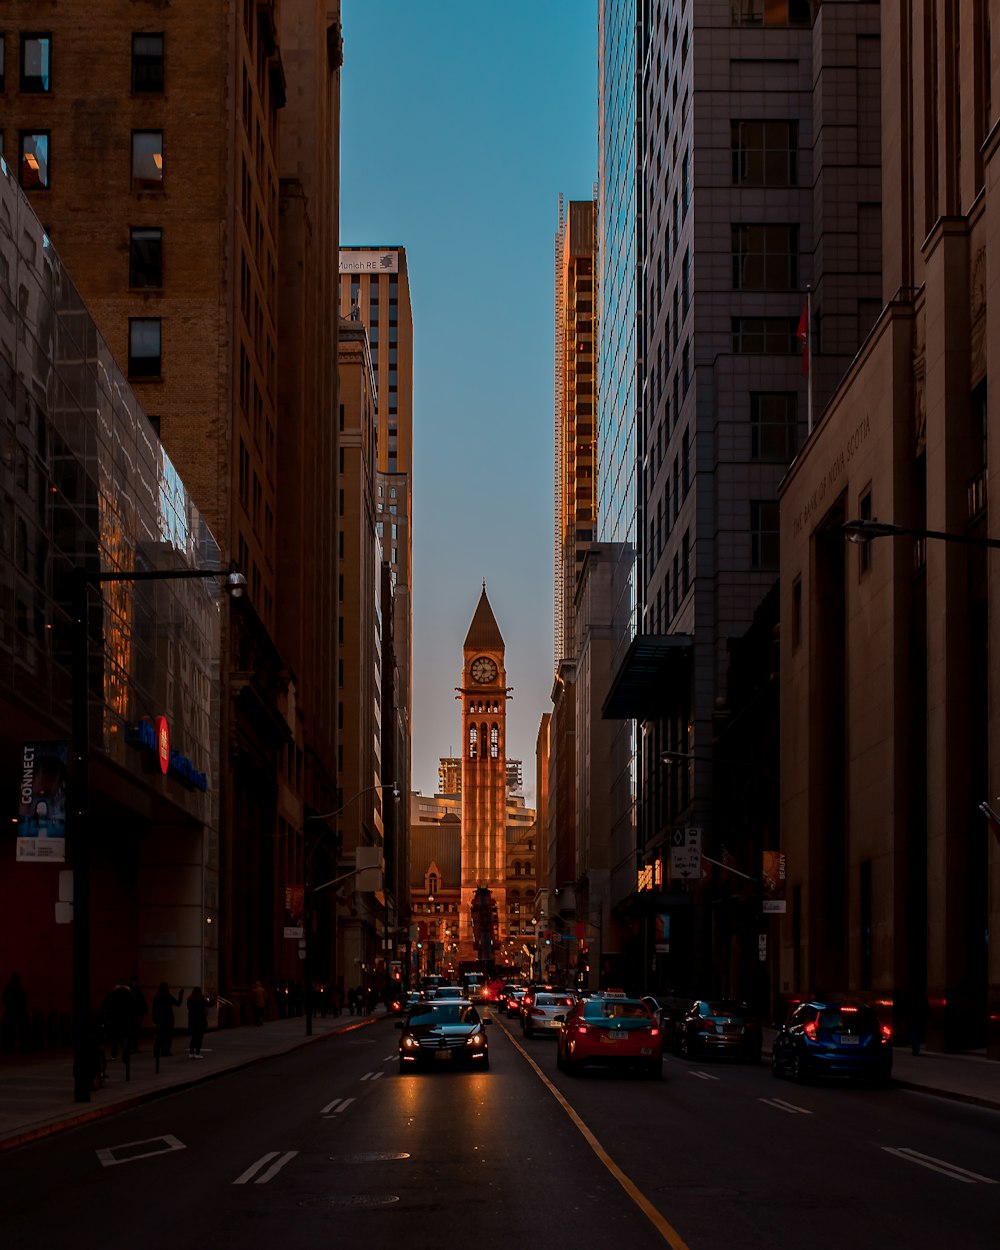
540 1016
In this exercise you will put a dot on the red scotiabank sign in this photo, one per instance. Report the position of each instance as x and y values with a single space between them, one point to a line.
163 743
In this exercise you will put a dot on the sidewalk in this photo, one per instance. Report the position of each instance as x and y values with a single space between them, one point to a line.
36 1089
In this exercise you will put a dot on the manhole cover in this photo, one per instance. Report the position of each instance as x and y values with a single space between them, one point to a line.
353 1200
371 1156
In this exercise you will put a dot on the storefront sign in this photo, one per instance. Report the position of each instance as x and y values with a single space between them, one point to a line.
369 262
41 812
154 735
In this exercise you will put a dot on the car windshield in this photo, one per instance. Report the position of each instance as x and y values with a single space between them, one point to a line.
553 1000
444 1013
848 1019
609 1009
725 1007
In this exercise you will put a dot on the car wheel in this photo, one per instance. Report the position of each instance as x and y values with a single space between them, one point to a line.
799 1073
486 1063
683 1046
528 1032
402 1067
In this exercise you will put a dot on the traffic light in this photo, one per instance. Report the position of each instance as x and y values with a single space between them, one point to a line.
548 937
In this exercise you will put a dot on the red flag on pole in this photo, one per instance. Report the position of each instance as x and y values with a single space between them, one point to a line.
802 334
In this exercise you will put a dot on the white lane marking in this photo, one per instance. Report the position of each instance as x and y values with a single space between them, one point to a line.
790 1107
390 1058
344 1104
164 1145
371 1076
254 1168
330 1106
951 1170
704 1076
275 1167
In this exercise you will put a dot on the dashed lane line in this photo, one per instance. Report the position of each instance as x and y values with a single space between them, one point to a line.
279 1161
791 1107
951 1170
337 1107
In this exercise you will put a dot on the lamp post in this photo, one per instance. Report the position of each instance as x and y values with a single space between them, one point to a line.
859 531
309 889
79 792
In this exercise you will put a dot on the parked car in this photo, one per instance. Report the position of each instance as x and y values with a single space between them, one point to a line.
718 1026
539 1015
609 1030
839 1038
668 1010
439 1032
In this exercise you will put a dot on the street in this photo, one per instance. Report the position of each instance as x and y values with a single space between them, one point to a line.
330 1141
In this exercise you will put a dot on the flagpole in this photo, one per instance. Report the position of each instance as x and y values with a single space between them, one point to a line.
809 358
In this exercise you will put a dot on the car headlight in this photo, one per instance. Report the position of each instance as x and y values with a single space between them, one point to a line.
409 1042
475 1039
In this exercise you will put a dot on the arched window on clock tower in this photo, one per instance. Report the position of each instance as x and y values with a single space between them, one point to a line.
495 742
473 737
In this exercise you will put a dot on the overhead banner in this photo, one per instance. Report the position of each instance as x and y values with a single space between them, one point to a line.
41 813
295 905
661 936
773 881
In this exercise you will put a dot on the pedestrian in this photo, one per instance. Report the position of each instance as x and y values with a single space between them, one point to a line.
140 1008
163 1016
119 1018
337 1000
352 1000
198 1006
14 1028
258 999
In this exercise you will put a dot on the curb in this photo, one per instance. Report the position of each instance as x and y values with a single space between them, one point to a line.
36 1132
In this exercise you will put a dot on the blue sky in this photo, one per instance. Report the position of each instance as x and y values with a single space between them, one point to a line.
482 113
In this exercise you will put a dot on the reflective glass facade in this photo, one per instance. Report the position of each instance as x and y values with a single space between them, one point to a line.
84 482
619 425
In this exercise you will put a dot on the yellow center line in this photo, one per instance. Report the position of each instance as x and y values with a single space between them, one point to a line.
663 1226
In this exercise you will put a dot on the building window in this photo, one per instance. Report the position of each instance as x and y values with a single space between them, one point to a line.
773 425
144 347
3 63
686 562
769 336
494 742
145 257
147 64
33 159
765 154
765 258
764 534
147 159
772 13
36 64
473 741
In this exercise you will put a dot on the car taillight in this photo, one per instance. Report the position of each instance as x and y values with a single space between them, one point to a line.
811 1029
581 1028
886 1033
654 1031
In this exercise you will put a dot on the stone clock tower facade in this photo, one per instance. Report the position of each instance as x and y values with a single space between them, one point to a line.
484 771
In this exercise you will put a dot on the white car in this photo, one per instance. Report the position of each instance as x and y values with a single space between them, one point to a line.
540 1016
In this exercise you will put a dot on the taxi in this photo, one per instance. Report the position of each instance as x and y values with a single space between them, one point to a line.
610 1030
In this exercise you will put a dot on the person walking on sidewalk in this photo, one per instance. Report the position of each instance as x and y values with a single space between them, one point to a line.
119 1017
163 1016
258 999
198 1006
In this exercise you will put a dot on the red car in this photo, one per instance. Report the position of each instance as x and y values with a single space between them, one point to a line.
610 1030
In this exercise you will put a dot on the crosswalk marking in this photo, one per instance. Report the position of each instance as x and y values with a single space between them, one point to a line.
790 1107
371 1076
951 1170
703 1076
279 1162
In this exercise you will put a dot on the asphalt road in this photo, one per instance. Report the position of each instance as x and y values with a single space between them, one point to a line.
329 1145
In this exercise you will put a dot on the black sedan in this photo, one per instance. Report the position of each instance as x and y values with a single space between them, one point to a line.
443 1033
718 1026
824 1038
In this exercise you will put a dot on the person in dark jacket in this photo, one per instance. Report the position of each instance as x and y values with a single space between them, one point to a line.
198 1006
119 1017
163 1016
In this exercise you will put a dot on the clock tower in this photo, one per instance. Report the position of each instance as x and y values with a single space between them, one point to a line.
484 772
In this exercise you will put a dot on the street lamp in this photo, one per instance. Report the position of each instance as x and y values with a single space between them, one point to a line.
83 579
309 890
859 531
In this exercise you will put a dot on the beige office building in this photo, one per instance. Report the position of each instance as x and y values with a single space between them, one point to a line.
889 733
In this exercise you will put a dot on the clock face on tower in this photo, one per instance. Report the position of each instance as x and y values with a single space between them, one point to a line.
483 670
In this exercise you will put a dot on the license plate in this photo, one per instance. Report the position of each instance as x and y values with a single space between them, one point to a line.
646 1050
847 1040
442 1055
609 1039
732 1029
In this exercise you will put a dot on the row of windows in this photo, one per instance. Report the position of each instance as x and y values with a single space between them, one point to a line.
474 738
35 63
772 13
34 160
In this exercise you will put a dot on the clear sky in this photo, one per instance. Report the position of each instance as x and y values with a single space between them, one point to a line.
462 121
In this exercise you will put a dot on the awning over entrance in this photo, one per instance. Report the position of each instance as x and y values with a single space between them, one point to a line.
652 664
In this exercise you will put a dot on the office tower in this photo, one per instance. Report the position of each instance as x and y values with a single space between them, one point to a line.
185 161
889 674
